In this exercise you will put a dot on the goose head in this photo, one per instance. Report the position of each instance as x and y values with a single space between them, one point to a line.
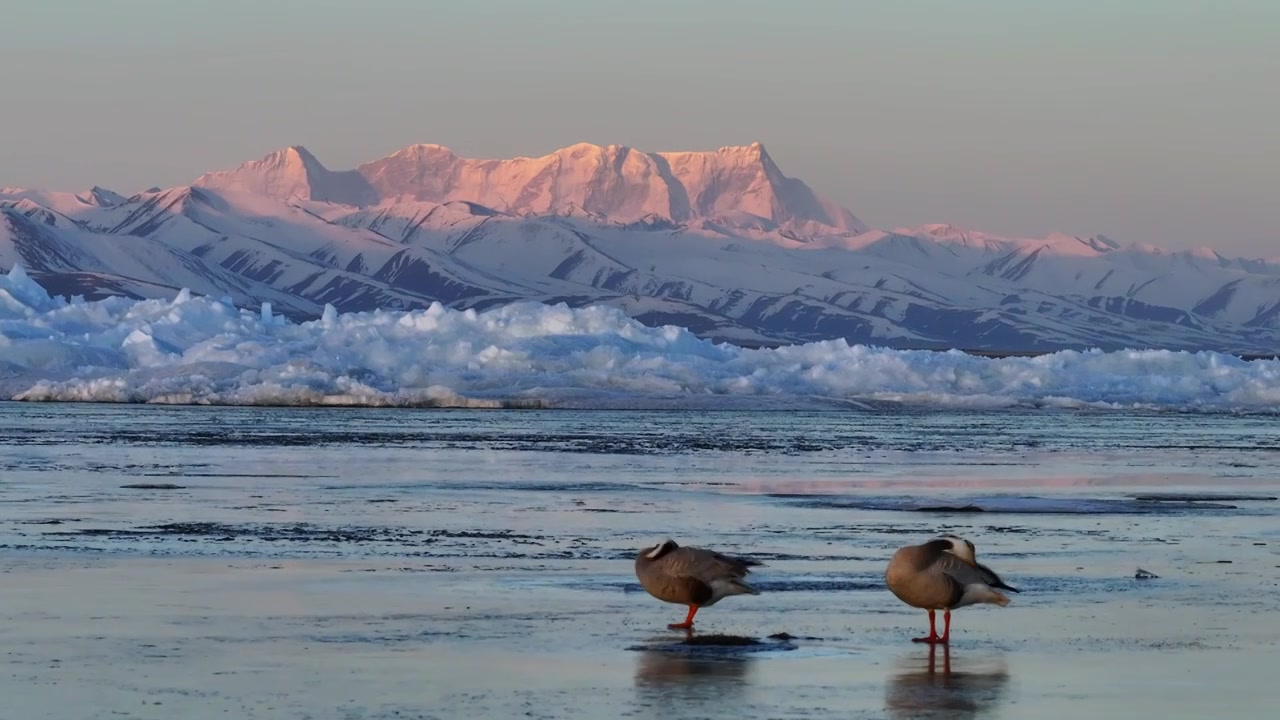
959 547
657 551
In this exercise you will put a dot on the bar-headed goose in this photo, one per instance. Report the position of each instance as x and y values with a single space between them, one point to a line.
692 576
943 574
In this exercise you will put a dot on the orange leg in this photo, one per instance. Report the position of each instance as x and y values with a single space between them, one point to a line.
933 631
946 628
688 621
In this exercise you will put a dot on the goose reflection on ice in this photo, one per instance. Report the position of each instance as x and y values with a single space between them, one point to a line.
680 681
941 692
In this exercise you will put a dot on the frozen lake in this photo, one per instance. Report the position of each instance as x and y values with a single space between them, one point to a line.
282 562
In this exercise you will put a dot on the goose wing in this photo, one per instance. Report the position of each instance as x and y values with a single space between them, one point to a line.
960 572
991 578
964 574
706 565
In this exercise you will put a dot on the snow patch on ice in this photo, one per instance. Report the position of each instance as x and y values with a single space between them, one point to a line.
202 350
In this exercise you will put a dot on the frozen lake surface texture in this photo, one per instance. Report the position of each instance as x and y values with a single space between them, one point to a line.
164 562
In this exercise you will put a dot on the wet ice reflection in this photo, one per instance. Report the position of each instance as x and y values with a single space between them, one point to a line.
940 687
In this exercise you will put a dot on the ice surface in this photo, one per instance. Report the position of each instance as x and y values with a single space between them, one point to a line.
204 350
475 565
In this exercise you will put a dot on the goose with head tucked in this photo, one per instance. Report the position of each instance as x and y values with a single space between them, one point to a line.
692 576
943 574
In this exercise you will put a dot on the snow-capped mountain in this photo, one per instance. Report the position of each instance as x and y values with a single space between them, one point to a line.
616 182
720 242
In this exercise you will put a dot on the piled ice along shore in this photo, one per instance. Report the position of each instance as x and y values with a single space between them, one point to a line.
203 350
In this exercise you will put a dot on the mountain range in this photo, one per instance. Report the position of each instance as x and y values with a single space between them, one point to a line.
720 242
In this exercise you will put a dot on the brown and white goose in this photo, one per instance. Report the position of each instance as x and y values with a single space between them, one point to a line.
692 576
943 574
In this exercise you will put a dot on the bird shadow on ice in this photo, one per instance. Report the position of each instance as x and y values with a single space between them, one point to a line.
938 687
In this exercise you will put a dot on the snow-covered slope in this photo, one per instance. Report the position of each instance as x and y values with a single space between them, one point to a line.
721 243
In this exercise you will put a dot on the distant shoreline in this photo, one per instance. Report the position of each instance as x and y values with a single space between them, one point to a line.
1002 354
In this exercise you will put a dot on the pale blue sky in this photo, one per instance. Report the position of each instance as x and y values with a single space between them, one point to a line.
1147 120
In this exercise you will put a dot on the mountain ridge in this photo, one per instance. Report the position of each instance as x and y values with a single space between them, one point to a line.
721 242
612 180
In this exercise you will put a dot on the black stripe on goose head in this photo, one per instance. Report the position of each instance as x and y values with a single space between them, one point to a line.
957 546
662 548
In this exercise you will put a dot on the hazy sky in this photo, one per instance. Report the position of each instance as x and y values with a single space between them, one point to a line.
1147 120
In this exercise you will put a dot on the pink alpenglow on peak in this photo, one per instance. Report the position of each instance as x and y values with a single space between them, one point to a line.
291 174
735 185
